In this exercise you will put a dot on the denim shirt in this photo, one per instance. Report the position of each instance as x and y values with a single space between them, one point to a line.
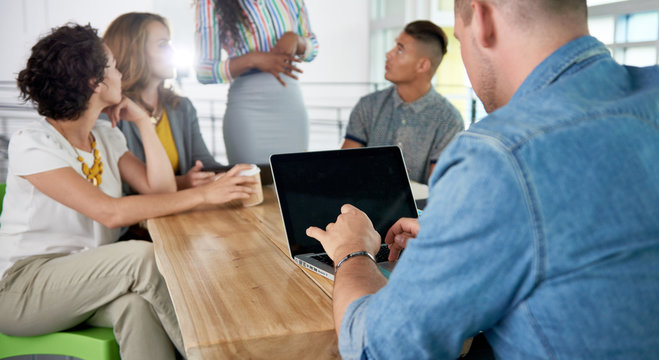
541 230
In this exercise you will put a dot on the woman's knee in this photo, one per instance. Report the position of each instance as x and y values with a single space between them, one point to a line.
138 252
128 307
140 258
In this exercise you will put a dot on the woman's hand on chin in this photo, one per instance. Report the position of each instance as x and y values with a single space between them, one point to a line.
126 110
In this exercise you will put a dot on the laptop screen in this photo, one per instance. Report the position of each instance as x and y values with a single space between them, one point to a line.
312 187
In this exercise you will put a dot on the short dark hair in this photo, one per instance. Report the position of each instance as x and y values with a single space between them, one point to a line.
526 7
63 70
428 33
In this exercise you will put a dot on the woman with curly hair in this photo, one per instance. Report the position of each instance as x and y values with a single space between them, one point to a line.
265 112
140 43
60 264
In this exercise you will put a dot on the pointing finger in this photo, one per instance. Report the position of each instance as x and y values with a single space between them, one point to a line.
315 233
347 208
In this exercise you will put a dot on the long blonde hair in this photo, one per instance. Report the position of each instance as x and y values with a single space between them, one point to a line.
126 37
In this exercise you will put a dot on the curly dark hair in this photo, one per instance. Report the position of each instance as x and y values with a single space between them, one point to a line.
230 14
63 70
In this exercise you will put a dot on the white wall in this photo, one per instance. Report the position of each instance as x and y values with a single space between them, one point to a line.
22 22
343 35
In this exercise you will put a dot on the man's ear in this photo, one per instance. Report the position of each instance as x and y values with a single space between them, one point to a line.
423 65
483 23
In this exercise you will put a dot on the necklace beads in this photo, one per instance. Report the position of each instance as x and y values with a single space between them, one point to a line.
93 174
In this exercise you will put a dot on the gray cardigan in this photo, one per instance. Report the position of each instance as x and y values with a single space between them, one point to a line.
187 137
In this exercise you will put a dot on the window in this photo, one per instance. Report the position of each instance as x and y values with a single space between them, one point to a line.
381 9
630 29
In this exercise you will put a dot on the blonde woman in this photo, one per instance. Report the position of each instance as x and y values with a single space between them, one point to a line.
141 45
60 262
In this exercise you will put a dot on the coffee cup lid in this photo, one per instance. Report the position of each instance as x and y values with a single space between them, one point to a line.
253 171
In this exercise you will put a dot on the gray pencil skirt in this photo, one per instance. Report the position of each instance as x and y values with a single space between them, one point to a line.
263 118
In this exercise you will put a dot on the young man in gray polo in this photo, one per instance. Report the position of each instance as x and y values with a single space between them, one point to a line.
410 114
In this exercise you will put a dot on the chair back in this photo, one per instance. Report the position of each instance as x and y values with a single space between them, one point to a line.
3 187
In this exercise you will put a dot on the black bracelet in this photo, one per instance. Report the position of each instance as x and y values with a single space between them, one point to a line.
356 253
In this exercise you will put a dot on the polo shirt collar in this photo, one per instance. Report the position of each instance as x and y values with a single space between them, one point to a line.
420 104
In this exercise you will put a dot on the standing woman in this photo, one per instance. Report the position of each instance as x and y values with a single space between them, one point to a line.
265 112
141 44
60 262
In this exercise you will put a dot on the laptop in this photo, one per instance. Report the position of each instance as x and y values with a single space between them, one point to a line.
312 187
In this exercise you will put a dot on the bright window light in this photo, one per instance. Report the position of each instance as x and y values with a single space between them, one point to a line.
183 59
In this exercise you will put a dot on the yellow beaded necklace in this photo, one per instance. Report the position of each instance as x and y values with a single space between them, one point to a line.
93 174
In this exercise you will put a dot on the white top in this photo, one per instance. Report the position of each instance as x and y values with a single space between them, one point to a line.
31 222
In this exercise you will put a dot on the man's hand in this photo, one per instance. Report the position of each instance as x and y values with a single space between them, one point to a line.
397 236
352 231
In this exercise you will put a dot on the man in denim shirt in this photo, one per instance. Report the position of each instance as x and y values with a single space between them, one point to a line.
542 227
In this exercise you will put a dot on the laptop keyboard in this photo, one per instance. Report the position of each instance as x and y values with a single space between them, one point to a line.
324 259
381 256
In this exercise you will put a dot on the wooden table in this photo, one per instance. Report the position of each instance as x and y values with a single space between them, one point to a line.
236 292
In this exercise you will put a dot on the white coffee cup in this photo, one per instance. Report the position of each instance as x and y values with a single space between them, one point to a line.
256 197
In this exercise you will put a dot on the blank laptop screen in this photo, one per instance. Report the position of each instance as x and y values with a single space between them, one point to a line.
312 187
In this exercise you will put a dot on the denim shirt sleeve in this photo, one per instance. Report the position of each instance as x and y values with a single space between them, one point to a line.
474 260
351 339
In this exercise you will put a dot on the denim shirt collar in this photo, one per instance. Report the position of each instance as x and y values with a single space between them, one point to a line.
562 61
416 106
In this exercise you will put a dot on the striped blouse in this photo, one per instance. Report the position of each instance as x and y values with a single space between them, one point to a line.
268 21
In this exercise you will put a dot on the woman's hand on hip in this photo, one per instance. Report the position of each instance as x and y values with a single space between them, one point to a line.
287 44
276 64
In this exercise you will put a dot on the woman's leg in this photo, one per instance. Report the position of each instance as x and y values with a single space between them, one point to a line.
131 318
46 294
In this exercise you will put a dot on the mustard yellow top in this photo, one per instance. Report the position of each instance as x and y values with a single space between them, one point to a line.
164 132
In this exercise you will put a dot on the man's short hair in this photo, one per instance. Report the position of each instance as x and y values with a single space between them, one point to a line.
431 36
526 9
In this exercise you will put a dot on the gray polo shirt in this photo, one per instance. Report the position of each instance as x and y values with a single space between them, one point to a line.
421 129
